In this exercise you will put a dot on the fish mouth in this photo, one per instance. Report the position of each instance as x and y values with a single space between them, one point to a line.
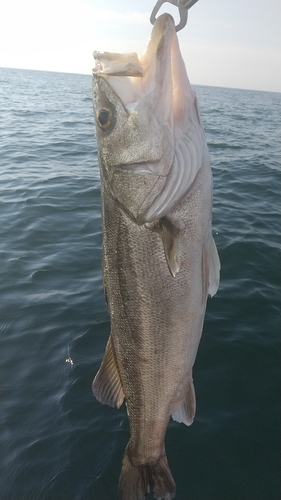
134 77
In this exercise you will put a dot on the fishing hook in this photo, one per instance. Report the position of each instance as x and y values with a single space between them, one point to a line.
183 6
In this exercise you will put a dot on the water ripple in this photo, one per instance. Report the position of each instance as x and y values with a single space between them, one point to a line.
59 443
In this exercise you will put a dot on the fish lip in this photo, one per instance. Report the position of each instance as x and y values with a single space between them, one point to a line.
149 167
117 64
163 27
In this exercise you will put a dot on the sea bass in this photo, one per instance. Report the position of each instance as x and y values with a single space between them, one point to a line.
159 258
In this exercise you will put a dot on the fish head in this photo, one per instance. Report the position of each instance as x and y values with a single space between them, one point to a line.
141 105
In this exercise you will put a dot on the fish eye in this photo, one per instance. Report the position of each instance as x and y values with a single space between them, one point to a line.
104 118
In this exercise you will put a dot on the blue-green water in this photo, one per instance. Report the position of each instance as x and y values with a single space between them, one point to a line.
57 442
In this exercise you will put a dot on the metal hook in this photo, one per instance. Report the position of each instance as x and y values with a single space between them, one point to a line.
183 6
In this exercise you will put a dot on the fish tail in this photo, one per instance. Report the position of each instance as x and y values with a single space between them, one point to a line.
136 481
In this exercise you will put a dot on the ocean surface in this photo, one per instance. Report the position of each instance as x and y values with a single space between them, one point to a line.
57 441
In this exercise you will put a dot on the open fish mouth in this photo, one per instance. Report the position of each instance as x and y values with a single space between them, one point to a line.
133 77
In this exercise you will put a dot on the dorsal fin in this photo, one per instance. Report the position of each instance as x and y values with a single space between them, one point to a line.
214 269
210 270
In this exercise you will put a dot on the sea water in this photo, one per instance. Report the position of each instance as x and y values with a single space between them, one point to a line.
57 441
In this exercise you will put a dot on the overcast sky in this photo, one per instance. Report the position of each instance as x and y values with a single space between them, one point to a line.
225 43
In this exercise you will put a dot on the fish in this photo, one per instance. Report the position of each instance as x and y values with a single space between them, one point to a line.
160 261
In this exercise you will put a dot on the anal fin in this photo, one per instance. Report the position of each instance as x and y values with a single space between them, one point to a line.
107 386
186 410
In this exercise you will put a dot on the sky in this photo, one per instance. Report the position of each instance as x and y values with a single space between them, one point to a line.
225 43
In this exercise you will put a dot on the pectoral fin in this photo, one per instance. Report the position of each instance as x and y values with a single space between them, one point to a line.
186 410
170 238
107 385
